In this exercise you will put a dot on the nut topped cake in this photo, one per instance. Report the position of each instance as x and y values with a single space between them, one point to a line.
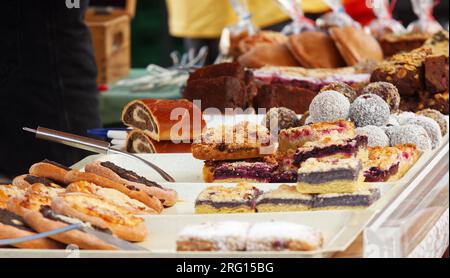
285 198
322 175
220 199
242 141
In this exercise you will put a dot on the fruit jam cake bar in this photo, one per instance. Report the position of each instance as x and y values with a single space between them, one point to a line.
214 237
221 200
294 138
285 198
327 147
321 176
346 201
239 171
390 163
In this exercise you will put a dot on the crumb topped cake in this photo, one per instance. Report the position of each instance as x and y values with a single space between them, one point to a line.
285 198
221 199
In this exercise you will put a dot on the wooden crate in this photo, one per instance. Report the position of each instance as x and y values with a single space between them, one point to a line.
111 36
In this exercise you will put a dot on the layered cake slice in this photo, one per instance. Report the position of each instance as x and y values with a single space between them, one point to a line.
330 175
221 200
346 201
329 147
285 198
389 163
283 236
163 120
294 138
214 237
240 171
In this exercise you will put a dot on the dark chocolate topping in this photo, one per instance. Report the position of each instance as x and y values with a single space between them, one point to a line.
347 200
10 219
129 175
33 180
57 165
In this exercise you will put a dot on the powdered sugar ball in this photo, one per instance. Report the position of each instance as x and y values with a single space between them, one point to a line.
309 120
370 110
431 127
409 134
329 106
403 117
438 117
377 136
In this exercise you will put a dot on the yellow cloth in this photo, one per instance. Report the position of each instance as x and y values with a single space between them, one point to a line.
207 18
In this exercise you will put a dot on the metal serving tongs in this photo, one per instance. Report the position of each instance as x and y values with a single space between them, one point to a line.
91 145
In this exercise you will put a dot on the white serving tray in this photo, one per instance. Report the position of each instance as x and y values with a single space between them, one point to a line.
340 229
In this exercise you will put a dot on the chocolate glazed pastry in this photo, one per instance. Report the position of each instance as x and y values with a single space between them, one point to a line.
50 170
13 226
133 181
26 181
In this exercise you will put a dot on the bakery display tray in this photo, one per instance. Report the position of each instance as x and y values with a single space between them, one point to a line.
340 229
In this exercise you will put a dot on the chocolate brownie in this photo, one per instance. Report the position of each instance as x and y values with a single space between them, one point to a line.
405 71
436 73
219 70
280 95
393 43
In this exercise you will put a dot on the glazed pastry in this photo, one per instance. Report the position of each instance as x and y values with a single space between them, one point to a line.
294 138
131 191
50 170
105 215
355 45
283 236
47 220
285 198
221 200
25 181
8 192
329 147
130 180
139 142
268 55
315 50
14 226
164 120
242 141
346 201
214 237
322 176
111 195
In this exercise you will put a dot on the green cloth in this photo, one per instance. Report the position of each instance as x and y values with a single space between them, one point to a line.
114 100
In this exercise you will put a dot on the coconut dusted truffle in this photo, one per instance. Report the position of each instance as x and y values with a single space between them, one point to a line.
387 91
329 106
431 127
282 117
370 110
402 118
377 136
409 134
342 88
438 117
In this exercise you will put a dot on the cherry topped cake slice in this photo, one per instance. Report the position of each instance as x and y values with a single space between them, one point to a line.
328 147
390 163
239 171
294 138
221 200
330 175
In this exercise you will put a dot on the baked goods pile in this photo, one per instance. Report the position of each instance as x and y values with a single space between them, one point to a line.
161 126
421 75
337 46
105 198
233 236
